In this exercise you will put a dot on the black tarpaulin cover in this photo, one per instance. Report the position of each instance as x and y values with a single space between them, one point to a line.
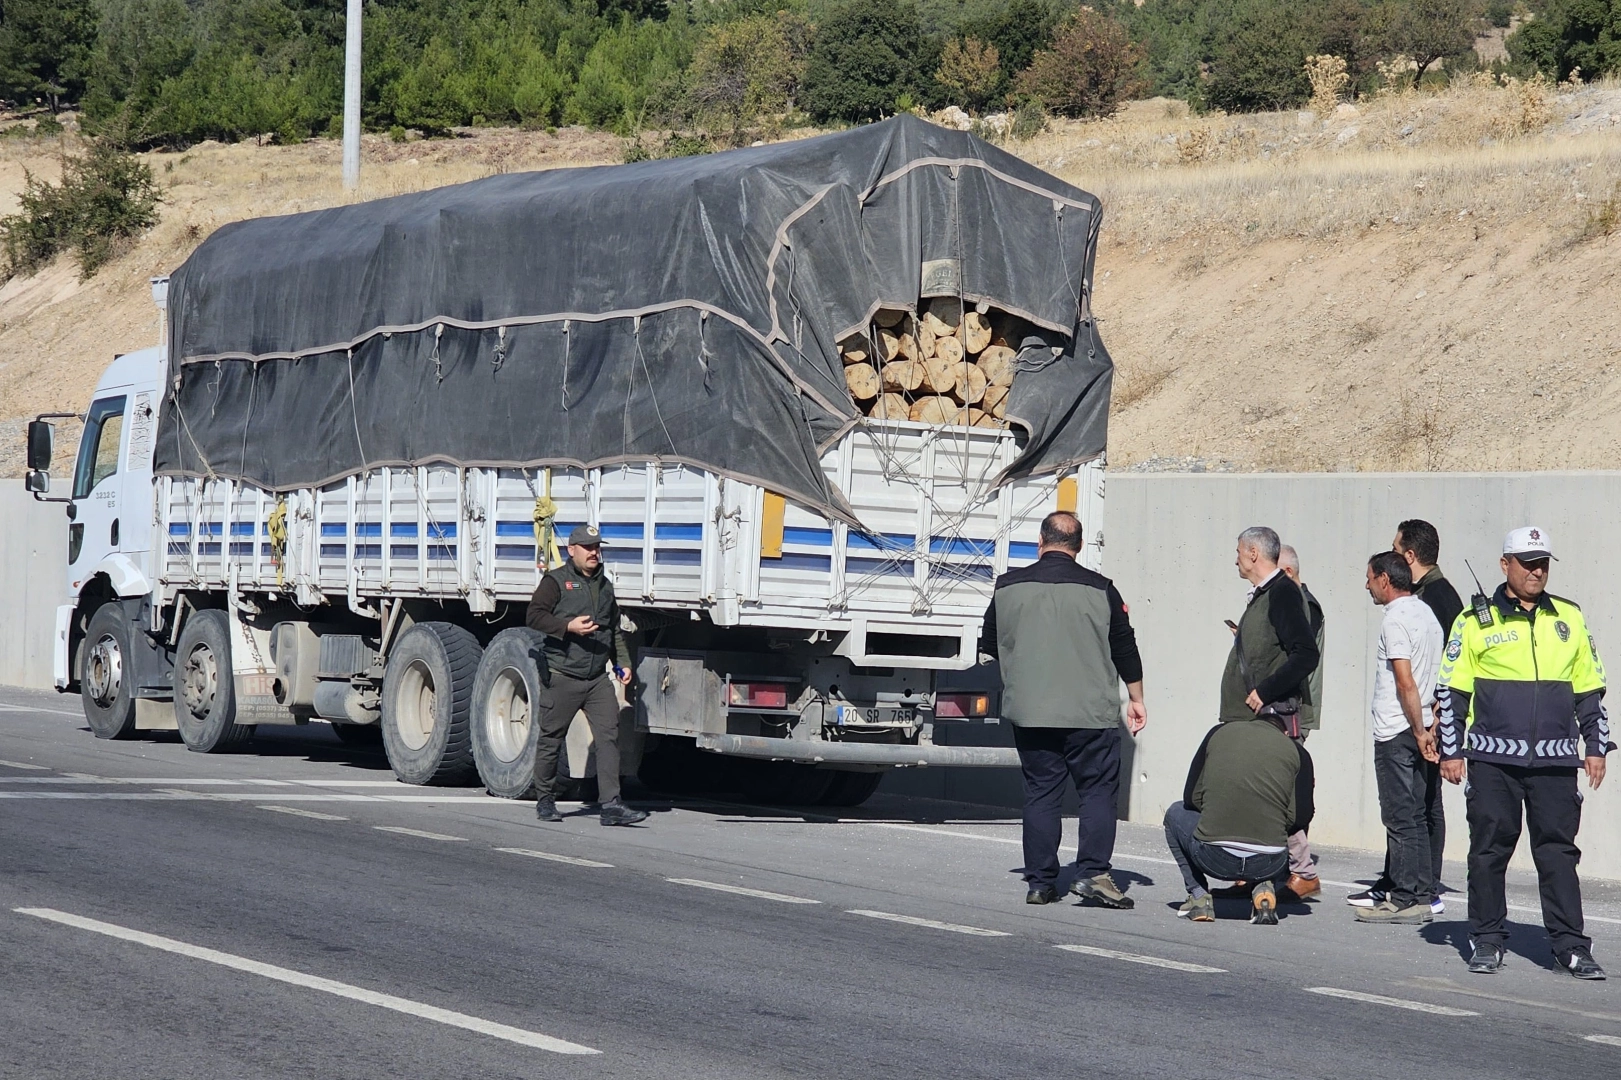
680 310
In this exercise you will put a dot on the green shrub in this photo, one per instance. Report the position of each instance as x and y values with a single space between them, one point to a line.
1090 69
865 54
105 199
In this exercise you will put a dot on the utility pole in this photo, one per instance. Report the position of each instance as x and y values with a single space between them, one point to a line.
351 97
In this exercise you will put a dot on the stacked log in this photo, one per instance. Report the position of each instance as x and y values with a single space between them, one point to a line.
951 362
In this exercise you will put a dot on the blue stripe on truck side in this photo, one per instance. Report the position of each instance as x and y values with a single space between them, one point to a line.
1022 551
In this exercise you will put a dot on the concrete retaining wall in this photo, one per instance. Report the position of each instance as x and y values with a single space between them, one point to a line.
1169 545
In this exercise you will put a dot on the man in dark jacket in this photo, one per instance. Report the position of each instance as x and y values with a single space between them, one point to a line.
1249 788
1303 880
1273 656
574 606
1419 543
1065 644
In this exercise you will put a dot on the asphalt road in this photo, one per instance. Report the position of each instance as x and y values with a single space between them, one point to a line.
293 912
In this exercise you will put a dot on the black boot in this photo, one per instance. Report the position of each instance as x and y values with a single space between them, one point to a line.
546 809
615 812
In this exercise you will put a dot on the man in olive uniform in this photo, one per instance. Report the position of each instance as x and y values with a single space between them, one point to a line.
1522 690
574 606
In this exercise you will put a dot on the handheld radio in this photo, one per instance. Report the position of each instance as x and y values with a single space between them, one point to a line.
1480 602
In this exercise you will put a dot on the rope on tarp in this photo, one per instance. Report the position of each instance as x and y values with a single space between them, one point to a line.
276 527
545 518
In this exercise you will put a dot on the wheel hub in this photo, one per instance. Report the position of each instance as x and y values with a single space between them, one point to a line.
414 718
104 670
199 681
506 715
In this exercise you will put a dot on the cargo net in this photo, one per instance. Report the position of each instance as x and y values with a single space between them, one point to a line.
949 366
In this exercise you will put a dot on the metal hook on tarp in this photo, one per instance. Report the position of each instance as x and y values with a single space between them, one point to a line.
500 347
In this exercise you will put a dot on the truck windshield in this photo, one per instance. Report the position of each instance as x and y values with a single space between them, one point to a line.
99 445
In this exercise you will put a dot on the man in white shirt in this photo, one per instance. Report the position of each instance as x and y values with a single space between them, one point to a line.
1410 642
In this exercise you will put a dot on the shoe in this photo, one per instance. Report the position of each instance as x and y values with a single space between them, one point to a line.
615 812
1386 911
1264 902
1046 894
1198 908
1438 906
1102 890
1304 887
1371 897
546 810
1580 963
1487 959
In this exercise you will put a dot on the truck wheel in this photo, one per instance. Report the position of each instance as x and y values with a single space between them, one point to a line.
427 694
506 713
204 689
784 783
852 788
107 682
369 736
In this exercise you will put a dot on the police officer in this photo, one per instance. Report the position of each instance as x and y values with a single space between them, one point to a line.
1521 687
574 607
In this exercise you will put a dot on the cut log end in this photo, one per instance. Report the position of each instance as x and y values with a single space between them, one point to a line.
903 375
891 407
863 381
976 332
937 409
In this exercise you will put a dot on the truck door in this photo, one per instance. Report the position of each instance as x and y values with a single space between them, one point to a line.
98 481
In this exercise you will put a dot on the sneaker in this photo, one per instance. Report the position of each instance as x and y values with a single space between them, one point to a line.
615 812
1438 906
1487 959
546 810
1102 890
1046 894
1580 963
1386 911
1367 898
1198 908
1264 904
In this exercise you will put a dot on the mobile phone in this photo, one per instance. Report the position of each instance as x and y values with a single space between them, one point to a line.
1231 625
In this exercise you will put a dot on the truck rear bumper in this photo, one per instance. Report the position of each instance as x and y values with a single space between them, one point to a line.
816 752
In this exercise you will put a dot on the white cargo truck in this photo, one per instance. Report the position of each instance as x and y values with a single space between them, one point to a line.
813 642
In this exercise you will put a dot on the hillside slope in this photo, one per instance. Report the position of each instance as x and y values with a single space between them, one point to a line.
1421 282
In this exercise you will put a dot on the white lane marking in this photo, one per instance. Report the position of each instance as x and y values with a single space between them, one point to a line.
317 815
932 924
550 857
1607 1040
249 796
1139 958
1394 1003
19 765
1002 840
351 783
31 709
416 832
760 894
86 779
314 982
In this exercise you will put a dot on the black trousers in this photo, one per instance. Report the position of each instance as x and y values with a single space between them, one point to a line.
562 700
1048 757
1399 768
1552 808
1435 821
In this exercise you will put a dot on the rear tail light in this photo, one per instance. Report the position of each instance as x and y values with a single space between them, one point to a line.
961 706
757 695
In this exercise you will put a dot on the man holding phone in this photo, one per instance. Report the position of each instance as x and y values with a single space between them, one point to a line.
575 607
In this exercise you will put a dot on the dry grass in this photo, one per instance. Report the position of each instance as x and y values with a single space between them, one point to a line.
1476 149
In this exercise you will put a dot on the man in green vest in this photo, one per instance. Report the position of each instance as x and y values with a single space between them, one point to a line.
1274 651
574 606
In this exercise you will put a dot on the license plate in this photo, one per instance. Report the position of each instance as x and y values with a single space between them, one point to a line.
880 716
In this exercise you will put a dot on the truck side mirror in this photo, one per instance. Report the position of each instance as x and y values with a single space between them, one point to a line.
41 439
37 481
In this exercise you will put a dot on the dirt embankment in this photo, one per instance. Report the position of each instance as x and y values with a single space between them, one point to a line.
1416 282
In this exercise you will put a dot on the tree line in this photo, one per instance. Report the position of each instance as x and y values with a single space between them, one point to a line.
172 72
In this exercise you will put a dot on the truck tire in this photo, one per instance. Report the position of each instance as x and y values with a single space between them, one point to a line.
851 788
204 689
427 699
506 712
107 681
